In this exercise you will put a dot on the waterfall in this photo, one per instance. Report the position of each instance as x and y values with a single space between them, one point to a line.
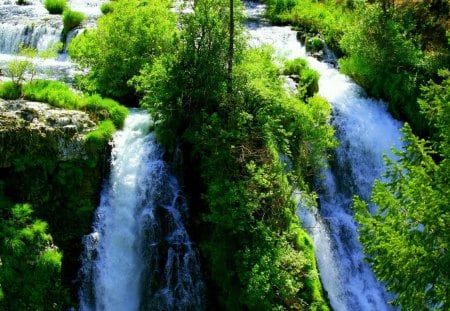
139 256
365 131
31 25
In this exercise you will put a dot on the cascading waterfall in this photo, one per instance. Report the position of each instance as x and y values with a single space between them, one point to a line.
31 25
139 256
365 131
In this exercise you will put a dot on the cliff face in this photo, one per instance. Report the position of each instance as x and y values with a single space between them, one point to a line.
39 129
46 161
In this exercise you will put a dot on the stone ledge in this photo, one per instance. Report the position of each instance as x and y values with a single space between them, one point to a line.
34 128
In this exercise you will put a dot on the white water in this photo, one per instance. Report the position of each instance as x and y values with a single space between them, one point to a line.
139 256
31 25
365 131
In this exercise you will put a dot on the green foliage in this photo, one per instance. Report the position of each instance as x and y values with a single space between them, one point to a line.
30 264
71 20
60 95
294 66
249 230
309 83
104 108
102 134
407 239
53 51
134 33
324 17
106 8
383 60
434 104
8 90
55 6
18 69
53 92
314 44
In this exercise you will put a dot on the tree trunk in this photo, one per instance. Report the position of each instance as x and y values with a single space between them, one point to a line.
230 49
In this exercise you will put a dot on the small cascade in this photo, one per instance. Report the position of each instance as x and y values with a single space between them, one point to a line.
31 25
41 37
365 131
139 256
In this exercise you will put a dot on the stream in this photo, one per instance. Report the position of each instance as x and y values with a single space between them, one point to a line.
365 131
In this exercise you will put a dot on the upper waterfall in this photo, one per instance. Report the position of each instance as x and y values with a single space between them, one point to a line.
365 131
31 25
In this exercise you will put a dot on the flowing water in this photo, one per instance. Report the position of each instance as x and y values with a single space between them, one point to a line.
31 25
139 256
365 131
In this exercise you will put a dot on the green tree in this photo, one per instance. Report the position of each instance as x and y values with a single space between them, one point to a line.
383 59
134 33
30 264
407 240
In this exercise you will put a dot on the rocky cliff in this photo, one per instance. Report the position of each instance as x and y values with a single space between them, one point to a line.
46 161
37 128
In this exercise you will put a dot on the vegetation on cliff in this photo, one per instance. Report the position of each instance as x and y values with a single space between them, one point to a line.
40 260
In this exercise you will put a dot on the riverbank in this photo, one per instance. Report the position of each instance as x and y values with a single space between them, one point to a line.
389 50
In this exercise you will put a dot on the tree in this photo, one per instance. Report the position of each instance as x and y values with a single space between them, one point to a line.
407 240
134 33
30 265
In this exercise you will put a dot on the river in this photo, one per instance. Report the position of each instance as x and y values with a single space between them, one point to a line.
365 131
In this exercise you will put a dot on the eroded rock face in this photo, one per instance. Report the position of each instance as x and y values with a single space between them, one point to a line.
38 128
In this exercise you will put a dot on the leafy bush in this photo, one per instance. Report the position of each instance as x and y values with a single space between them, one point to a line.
18 69
8 90
309 83
107 8
55 6
31 265
324 17
71 20
295 66
130 36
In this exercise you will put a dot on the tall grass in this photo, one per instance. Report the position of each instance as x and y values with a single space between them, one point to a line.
8 90
60 95
55 6
71 20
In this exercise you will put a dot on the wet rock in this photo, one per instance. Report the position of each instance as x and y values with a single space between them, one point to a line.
37 128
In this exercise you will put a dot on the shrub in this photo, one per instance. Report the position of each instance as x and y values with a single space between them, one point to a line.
71 20
107 8
309 82
55 6
293 67
8 90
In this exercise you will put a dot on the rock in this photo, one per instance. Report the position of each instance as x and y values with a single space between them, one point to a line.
34 128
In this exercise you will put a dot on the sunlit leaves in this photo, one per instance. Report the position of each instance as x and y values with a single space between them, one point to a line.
407 240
